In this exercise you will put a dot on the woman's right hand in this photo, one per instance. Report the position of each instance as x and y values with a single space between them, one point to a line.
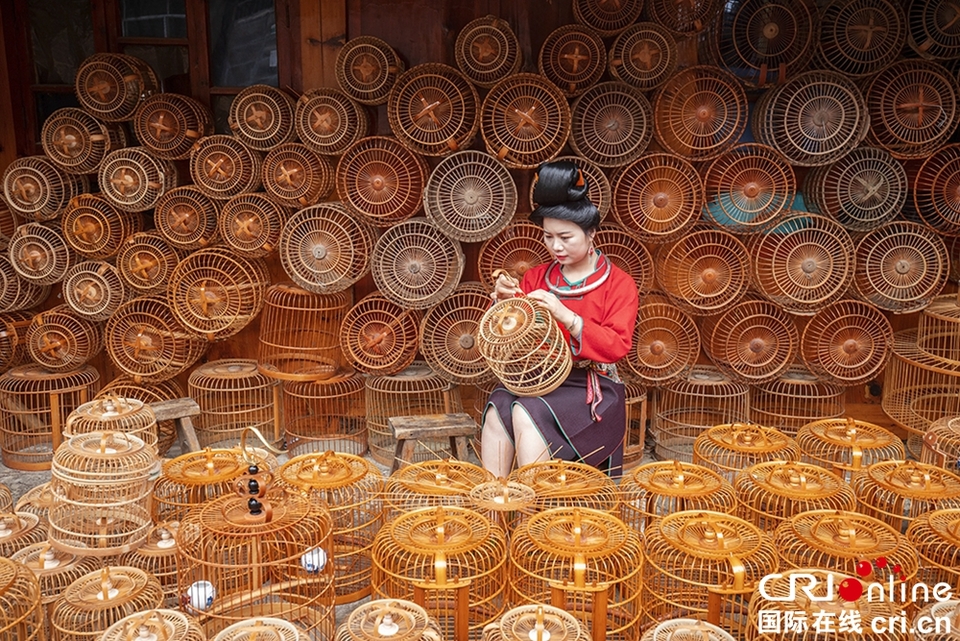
505 288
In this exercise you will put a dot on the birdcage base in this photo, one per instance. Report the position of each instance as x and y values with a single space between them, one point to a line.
298 445
299 367
98 530
316 620
27 452
915 408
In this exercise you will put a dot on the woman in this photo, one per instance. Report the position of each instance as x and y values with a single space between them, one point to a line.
595 304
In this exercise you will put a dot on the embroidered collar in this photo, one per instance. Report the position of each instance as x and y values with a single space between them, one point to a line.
559 286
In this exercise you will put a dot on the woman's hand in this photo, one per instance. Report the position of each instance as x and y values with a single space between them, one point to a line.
563 314
505 288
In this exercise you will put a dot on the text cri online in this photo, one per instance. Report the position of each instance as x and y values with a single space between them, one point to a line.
846 621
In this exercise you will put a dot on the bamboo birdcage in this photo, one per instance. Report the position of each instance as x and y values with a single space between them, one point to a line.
101 484
470 196
19 530
897 491
803 263
187 218
112 85
9 221
381 181
644 56
77 142
23 616
861 191
169 390
34 406
450 561
573 58
929 30
61 340
261 629
97 600
328 121
426 484
95 228
901 267
222 167
705 272
687 630
607 20
367 69
325 415
18 293
705 564
567 484
847 342
110 412
748 188
94 290
448 335
250 224
487 51
262 552
941 443
133 179
515 249
169 124
261 117
39 254
770 492
166 624
847 445
795 398
941 612
13 337
658 197
932 187
37 189
936 331
297 176
415 264
389 619
688 406
662 488
350 487
752 342
936 537
700 113
158 557
215 293
731 447
146 342
37 500
612 124
535 621
524 120
191 480
524 347
686 19
626 251
585 562
503 502
378 336
434 109
233 395
859 38
666 344
146 262
414 391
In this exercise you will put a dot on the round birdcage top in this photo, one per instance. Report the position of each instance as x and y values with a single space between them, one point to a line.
55 569
396 619
103 457
686 630
791 479
222 166
109 588
18 530
936 188
644 55
35 188
570 531
666 343
367 69
328 121
60 339
40 254
847 342
658 197
754 341
445 477
146 261
676 478
943 524
112 85
848 433
92 226
626 251
487 50
227 519
111 412
448 335
746 438
325 470
76 141
536 621
250 224
34 379
161 542
706 380
566 479
379 336
262 117
932 32
133 179
686 19
859 38
572 57
168 124
165 624
187 218
515 249
706 535
381 181
297 176
260 629
612 124
449 529
704 272
912 479
502 496
206 467
608 19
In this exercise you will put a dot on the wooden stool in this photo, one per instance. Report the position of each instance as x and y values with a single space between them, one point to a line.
410 429
181 411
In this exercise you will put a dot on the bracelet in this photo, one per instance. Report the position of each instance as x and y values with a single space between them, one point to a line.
573 326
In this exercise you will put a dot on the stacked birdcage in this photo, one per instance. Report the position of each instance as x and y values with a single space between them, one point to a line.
847 343
37 500
97 600
936 537
158 557
169 124
13 334
328 120
296 175
847 445
38 190
705 564
666 344
643 55
19 530
39 253
705 272
250 224
233 395
897 492
166 624
771 492
61 340
448 335
752 342
504 502
658 197
223 167
192 479
77 142
941 444
515 250
729 448
367 69
451 561
112 413
380 181
612 124
432 483
95 290
261 117
19 293
187 218
326 415
350 487
378 336
537 622
146 261
23 616
95 227
566 484
124 387
794 399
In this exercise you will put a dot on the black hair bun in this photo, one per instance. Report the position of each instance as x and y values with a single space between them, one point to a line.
559 182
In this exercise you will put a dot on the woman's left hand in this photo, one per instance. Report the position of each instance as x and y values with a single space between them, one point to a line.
563 314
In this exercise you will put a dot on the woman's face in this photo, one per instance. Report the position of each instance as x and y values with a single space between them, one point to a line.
566 241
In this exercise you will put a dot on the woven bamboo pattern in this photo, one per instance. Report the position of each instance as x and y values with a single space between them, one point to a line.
13 338
929 30
515 249
932 189
250 224
914 107
124 387
847 343
415 264
689 406
814 119
40 254
935 537
861 191
487 51
389 618
158 557
61 340
897 492
23 617
381 181
163 624
407 560
328 121
748 188
34 406
683 19
37 189
261 116
93 227
146 262
644 55
133 179
658 197
700 113
764 44
805 264
433 109
260 629
666 344
752 342
770 492
612 124
37 500
233 395
935 330
216 293
9 221
77 142
187 218
325 415
626 251
568 484
97 600
112 85
847 445
415 391
146 342
169 124
296 175
607 20
257 553
634 444
941 443
573 58
427 484
730 447
190 480
859 38
18 293
524 347
367 69
222 167
662 488
705 272
448 335
470 196
379 336
524 121
20 530
705 564
795 398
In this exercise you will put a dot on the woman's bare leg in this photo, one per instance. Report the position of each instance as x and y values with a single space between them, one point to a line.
530 445
496 448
